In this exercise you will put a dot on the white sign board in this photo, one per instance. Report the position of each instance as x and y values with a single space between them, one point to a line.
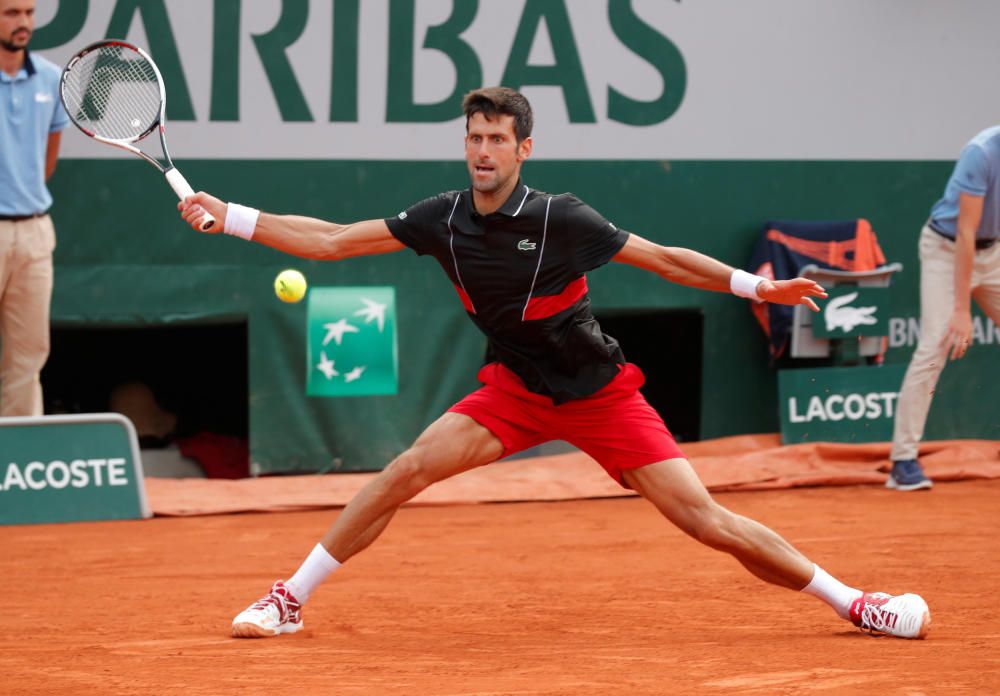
609 79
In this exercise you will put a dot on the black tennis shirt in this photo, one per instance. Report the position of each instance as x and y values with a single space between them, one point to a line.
520 273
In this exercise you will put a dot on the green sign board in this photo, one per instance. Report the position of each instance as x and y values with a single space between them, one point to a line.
70 468
852 311
839 404
352 342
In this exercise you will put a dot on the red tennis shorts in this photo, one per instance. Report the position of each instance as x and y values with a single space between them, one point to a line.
616 425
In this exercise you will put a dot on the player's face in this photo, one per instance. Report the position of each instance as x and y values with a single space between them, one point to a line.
492 152
17 21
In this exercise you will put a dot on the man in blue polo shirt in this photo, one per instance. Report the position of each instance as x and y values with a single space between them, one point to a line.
31 120
959 261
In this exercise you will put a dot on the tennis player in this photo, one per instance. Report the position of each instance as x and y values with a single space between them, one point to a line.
518 259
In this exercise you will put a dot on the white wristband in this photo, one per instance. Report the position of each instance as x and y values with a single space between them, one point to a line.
240 220
743 284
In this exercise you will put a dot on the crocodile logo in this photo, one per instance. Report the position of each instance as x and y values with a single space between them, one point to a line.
838 315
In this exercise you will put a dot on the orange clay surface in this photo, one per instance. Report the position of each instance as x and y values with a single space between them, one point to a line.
578 597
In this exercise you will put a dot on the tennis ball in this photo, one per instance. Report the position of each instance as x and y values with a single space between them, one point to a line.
290 285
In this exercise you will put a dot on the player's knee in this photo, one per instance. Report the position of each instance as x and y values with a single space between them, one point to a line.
715 527
407 474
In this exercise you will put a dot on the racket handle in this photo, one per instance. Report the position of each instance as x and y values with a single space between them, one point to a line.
183 189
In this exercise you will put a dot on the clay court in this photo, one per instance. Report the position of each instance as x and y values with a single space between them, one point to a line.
591 596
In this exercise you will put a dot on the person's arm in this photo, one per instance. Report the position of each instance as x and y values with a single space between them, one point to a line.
687 267
959 333
297 235
52 153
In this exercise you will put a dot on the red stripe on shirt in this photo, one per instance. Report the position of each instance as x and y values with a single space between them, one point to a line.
542 307
466 300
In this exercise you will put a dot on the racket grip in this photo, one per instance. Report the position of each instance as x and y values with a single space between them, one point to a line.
183 189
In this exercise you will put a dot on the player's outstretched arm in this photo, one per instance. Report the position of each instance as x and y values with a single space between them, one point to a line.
297 235
687 267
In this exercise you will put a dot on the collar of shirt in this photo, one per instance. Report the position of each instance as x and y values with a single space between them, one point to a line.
510 208
27 70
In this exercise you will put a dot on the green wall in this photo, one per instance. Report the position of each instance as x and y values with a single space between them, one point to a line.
124 258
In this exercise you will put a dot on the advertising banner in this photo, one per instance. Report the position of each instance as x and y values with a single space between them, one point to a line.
852 311
352 342
609 79
70 468
839 404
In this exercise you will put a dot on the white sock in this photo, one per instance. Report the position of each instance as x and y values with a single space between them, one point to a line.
832 591
313 571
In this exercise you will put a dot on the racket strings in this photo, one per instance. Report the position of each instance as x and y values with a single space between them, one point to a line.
114 93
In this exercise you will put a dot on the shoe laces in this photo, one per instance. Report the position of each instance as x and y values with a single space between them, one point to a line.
874 618
281 599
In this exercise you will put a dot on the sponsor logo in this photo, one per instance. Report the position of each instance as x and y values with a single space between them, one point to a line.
352 331
57 474
43 97
642 85
622 68
904 332
840 315
402 215
837 407
526 245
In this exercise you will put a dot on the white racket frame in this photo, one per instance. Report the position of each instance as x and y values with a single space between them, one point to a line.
176 180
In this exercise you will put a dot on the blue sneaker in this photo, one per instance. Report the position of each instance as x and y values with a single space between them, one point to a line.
907 475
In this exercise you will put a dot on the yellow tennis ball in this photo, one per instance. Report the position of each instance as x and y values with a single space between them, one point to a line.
290 285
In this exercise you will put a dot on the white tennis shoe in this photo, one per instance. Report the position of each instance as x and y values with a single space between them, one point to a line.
902 616
275 613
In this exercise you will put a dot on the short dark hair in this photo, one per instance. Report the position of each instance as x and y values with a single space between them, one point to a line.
494 101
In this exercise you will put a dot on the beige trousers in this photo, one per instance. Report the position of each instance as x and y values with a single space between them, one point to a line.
937 292
25 294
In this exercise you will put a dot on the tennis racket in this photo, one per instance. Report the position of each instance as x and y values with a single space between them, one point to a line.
114 93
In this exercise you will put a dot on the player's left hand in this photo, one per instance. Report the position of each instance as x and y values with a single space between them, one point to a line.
797 291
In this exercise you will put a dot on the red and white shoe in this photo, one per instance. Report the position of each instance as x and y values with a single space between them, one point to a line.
902 616
276 612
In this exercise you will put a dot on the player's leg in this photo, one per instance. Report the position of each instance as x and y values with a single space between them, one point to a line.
674 488
677 492
24 315
937 272
619 429
452 444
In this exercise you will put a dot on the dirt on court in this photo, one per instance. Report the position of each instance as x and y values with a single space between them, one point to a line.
580 597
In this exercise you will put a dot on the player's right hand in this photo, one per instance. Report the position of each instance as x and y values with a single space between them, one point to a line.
193 208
